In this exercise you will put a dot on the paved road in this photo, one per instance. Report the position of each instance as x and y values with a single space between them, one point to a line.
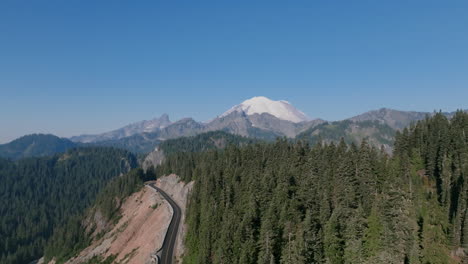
167 250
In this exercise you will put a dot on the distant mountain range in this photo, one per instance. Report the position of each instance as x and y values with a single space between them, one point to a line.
258 117
146 126
263 118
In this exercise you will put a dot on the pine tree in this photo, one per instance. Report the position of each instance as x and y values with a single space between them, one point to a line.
333 241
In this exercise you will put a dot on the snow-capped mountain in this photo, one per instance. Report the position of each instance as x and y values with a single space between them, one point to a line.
260 104
258 117
255 117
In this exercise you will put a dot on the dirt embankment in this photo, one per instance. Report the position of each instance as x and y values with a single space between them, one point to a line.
140 232
179 192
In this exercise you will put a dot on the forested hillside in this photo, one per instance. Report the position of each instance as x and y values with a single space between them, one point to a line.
79 231
331 203
377 134
39 194
35 145
204 142
139 143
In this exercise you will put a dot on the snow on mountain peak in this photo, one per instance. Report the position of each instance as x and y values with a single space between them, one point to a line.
260 104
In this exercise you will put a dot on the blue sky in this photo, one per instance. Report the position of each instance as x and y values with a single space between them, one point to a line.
73 67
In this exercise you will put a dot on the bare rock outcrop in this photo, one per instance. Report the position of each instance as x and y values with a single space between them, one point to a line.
140 232
154 159
137 235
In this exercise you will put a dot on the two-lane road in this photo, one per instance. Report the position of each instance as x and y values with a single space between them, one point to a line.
167 249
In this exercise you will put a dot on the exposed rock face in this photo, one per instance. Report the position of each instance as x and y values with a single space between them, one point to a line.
235 123
145 126
140 231
281 127
137 235
257 125
257 117
183 127
154 159
262 126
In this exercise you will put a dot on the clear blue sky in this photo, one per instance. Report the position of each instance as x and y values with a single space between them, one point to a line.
76 66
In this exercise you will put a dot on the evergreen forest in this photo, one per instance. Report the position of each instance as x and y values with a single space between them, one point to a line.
39 194
331 203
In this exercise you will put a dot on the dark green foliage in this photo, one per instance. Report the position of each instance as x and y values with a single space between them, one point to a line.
268 195
203 142
375 133
35 145
288 202
39 194
112 196
441 148
330 203
70 237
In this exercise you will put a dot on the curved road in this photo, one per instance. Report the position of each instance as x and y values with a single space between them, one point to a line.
167 249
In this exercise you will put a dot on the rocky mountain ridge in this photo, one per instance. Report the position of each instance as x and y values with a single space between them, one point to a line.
258 117
145 126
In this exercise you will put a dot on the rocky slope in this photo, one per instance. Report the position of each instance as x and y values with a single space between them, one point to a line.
145 126
137 235
260 126
257 117
140 231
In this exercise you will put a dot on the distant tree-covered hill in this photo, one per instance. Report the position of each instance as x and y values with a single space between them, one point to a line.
376 133
394 118
35 145
138 143
203 142
39 194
